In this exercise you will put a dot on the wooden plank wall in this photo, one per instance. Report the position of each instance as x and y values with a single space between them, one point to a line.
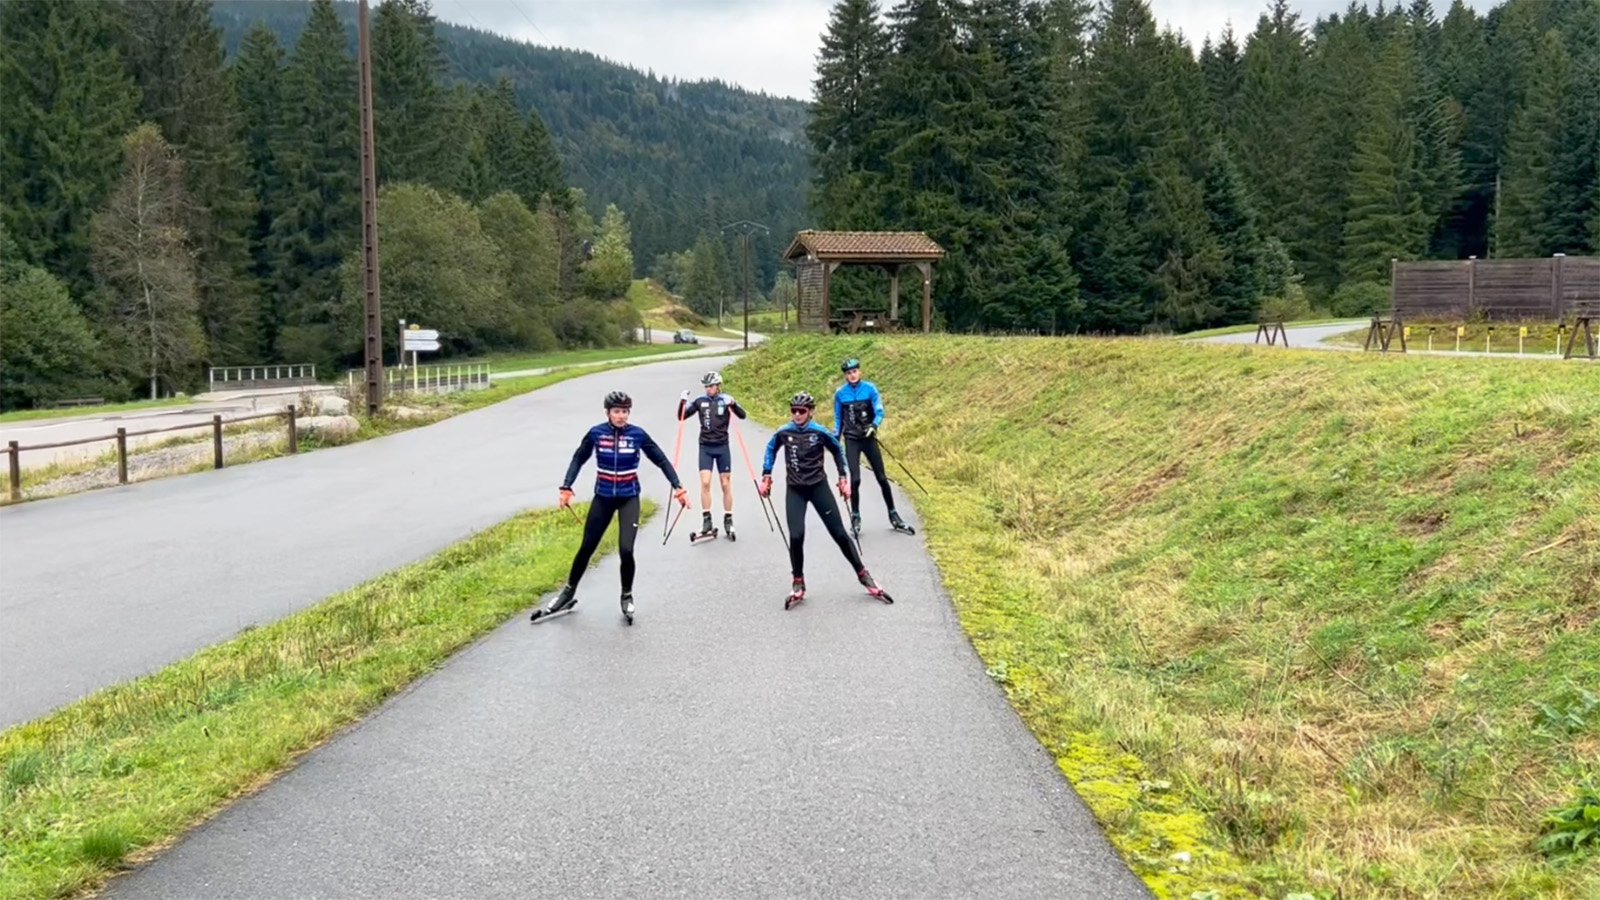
808 279
1545 290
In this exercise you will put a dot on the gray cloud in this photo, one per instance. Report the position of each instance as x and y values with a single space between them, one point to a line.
767 45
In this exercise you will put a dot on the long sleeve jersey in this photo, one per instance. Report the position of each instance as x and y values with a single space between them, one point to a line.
616 459
713 413
855 406
805 449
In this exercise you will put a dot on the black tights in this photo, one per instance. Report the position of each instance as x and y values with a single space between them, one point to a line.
817 495
594 528
853 448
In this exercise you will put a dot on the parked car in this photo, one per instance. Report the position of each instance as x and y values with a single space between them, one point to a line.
684 336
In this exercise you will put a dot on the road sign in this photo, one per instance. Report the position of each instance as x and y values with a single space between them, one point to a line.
421 334
420 346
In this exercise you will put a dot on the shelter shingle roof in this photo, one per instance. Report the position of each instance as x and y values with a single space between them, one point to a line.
864 245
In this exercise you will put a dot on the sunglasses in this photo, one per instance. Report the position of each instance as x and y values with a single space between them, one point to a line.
798 409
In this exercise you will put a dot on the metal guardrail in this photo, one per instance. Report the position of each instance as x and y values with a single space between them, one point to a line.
442 376
13 449
222 378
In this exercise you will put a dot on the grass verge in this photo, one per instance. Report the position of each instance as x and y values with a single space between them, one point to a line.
517 362
1295 624
1540 339
130 768
23 415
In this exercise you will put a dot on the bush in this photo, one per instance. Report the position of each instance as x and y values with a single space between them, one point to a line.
1359 298
1289 306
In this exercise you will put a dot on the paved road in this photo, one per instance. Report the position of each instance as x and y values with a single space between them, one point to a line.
1311 337
720 747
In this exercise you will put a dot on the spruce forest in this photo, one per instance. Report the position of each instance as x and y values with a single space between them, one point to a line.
1090 172
179 179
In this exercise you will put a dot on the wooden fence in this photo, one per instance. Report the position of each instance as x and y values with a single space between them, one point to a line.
1546 290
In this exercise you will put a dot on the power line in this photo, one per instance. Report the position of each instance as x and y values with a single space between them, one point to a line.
531 22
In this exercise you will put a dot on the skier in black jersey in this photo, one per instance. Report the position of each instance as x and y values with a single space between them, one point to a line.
713 409
805 443
616 446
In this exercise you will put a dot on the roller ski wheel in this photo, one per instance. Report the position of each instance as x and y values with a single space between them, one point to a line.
699 536
563 602
899 524
873 590
727 528
796 595
855 524
627 608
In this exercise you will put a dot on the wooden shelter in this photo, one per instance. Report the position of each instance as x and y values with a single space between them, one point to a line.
816 254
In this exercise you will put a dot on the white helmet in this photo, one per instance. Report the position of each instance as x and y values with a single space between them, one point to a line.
711 378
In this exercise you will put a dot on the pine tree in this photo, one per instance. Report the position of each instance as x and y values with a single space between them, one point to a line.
1275 146
1522 227
1386 219
65 104
257 74
1572 200
410 119
1342 72
537 172
609 273
177 59
1236 292
318 218
1462 57
1223 66
844 114
142 256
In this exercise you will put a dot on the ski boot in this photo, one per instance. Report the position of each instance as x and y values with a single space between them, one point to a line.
855 524
627 607
872 587
565 600
727 526
899 523
707 530
796 594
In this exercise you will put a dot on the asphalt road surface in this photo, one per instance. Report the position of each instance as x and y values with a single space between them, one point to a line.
721 746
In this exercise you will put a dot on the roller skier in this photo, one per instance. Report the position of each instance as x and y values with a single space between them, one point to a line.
713 410
805 444
857 416
616 446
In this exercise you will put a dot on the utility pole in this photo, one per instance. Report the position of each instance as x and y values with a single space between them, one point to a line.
369 219
745 229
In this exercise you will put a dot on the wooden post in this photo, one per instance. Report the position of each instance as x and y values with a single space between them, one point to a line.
1557 288
122 456
1472 284
15 465
827 284
294 432
894 293
216 441
927 296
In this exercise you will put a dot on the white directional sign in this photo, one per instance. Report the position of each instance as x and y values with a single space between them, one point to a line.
421 334
420 346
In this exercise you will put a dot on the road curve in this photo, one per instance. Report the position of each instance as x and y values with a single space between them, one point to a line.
720 747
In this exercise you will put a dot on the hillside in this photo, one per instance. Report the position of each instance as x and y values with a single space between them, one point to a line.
677 156
1326 627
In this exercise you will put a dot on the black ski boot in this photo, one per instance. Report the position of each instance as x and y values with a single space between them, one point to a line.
872 587
563 601
627 607
855 524
796 594
707 530
899 523
727 526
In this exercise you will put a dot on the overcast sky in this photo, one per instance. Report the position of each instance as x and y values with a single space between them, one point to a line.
766 45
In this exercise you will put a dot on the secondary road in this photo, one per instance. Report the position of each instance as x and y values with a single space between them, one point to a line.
722 746
1312 337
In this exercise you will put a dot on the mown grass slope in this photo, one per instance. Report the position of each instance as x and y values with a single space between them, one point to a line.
1296 624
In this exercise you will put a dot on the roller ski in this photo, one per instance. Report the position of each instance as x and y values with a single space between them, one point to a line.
872 587
627 608
797 594
561 603
727 527
900 524
855 525
707 531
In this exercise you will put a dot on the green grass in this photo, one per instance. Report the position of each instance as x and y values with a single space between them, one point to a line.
134 766
1327 623
22 415
1541 338
517 362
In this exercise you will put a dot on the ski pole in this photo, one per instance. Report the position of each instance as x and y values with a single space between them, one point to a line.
677 445
900 464
751 469
768 502
674 526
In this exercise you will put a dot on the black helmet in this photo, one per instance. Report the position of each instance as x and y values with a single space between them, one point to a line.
803 398
618 399
711 378
851 363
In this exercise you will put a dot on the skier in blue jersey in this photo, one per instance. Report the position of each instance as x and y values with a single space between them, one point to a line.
805 445
857 415
616 447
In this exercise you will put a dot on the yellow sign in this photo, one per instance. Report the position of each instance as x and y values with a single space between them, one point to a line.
1408 332
1461 331
413 327
1523 331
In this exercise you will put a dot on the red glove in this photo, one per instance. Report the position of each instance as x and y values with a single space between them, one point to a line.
766 486
681 495
844 488
566 498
